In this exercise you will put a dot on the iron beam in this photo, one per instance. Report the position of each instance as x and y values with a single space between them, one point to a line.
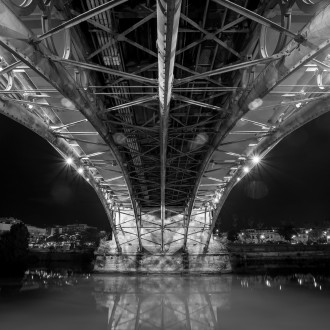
168 17
259 19
228 68
194 102
132 103
9 68
104 69
81 18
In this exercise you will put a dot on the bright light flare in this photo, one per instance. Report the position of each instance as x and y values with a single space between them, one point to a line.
255 159
69 161
246 169
80 170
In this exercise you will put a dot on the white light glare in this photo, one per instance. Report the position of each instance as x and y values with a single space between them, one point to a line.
238 179
80 170
255 159
216 200
30 106
246 169
69 161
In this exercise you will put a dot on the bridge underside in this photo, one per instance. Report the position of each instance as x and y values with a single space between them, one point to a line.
164 106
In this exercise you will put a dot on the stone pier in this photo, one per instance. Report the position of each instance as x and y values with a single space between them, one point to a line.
173 259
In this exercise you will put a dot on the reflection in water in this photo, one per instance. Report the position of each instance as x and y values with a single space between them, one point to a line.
63 300
158 302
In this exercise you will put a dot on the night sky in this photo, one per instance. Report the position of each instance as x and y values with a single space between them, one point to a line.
290 185
38 187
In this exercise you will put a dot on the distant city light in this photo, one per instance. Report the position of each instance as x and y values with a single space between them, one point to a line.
238 179
255 159
80 170
246 169
69 161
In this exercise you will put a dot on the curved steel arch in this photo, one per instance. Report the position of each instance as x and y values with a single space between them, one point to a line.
311 111
37 125
317 32
17 39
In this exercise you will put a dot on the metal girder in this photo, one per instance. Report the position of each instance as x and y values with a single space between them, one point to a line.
210 35
198 103
168 17
118 36
317 32
37 125
104 69
132 103
9 68
228 68
81 18
259 19
37 57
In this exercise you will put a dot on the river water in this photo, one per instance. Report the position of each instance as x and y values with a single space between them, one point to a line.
61 300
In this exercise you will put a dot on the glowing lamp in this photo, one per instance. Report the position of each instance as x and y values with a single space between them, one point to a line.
246 169
69 161
255 159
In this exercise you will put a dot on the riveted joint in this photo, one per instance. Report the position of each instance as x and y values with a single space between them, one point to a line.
299 38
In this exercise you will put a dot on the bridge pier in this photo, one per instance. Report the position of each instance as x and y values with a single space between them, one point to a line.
152 259
180 263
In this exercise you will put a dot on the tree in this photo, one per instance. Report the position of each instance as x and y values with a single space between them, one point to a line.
315 235
14 250
287 232
232 235
90 235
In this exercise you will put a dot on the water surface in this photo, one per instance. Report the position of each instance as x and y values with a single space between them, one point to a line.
61 300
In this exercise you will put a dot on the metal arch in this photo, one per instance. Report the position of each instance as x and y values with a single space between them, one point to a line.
309 112
268 79
36 57
26 8
81 18
37 125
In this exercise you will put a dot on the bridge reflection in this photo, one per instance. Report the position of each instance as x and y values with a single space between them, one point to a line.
157 302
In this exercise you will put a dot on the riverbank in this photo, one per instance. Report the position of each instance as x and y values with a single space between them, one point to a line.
256 258
76 260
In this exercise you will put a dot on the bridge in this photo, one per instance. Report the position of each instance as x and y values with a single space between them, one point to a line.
163 106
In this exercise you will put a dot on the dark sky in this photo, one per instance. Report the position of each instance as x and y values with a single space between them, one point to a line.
38 187
290 184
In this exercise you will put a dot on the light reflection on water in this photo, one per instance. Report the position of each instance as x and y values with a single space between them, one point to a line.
62 300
